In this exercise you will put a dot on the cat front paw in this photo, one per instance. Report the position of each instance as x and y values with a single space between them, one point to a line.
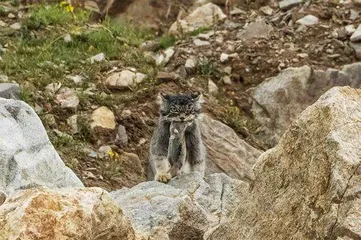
164 177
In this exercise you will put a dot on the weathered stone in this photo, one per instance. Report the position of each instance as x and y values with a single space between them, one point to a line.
277 103
15 26
124 79
4 78
190 63
200 43
9 90
77 79
87 213
255 29
27 156
308 20
224 57
67 98
73 124
307 186
350 29
287 4
52 88
122 136
203 16
357 48
68 38
266 10
2 197
97 58
163 58
103 117
226 152
212 87
356 36
188 207
166 76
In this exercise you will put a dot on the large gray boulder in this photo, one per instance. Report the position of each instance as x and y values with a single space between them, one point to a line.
226 152
188 207
279 100
27 158
308 186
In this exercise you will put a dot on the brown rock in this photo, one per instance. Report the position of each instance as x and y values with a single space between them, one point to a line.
226 152
87 213
307 186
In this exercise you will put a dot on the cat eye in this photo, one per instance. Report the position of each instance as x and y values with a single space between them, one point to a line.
172 109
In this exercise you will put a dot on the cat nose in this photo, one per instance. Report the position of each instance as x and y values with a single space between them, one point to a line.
182 118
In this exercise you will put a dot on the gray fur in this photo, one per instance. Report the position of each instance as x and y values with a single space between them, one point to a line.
176 143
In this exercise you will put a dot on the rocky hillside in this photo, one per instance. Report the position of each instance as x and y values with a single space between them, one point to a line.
280 130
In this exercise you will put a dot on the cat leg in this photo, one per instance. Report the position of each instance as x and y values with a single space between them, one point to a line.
161 168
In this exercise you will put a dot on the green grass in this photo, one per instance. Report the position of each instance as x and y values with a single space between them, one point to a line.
167 41
200 30
206 67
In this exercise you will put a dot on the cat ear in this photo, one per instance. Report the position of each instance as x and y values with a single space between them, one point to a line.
198 97
161 98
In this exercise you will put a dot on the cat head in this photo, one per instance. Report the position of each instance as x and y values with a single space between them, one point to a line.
180 107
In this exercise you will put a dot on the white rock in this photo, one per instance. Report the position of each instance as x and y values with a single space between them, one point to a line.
227 70
73 124
227 80
68 38
190 63
26 152
15 26
2 24
224 57
255 29
52 88
77 79
205 36
187 207
302 55
103 117
287 4
97 58
212 87
163 58
267 10
308 20
356 36
124 79
350 29
103 151
203 16
4 78
200 43
67 98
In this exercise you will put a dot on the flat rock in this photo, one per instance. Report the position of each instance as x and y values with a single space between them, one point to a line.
200 43
212 87
67 98
97 58
316 163
203 16
124 79
278 104
357 48
15 26
308 20
188 207
85 213
356 36
226 152
10 90
27 156
167 76
103 117
288 4
164 57
255 29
